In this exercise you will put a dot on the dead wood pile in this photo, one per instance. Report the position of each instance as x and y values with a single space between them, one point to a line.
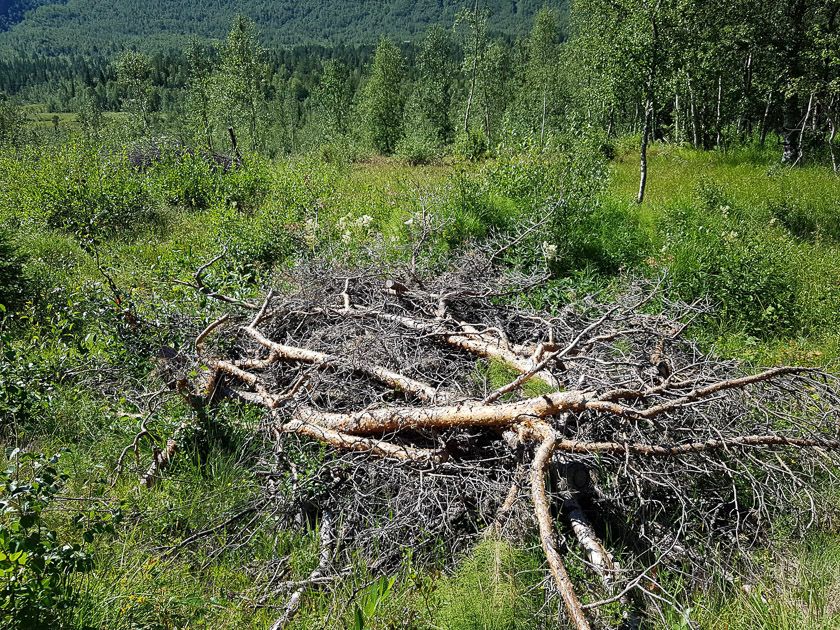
639 452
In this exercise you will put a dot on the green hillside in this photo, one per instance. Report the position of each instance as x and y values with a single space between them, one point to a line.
100 25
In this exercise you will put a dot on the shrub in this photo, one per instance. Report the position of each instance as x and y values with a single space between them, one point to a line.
36 566
12 124
713 197
198 181
12 284
184 180
583 229
472 145
606 235
471 209
246 187
76 190
419 145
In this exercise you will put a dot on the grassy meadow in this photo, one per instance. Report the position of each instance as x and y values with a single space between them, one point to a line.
92 245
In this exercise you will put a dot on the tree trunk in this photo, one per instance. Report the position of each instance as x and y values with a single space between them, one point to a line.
745 119
832 133
794 49
677 136
717 112
643 149
764 127
473 76
802 129
487 130
694 134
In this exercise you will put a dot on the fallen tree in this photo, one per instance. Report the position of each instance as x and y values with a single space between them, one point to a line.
669 449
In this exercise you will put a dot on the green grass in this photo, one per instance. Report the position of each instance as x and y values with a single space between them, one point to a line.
800 590
772 231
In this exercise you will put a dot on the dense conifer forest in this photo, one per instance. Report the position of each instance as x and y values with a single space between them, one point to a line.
420 315
84 26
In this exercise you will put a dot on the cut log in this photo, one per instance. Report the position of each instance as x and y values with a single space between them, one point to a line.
391 378
464 415
361 444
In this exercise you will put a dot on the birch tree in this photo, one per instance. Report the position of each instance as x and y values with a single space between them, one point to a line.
382 98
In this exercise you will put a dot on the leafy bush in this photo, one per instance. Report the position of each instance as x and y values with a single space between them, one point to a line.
36 567
472 210
22 387
247 186
472 145
566 188
419 145
12 284
713 197
184 180
75 190
193 180
12 124
268 233
606 235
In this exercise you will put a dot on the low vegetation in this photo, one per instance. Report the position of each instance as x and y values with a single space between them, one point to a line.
132 498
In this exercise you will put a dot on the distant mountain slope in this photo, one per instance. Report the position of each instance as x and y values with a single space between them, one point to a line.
12 11
105 25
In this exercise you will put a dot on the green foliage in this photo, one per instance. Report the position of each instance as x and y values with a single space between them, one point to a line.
605 235
751 278
432 97
798 592
24 385
270 230
187 181
420 144
382 100
36 566
12 283
499 374
583 229
11 123
82 26
806 220
238 85
368 602
472 210
541 73
134 79
199 94
332 101
77 191
471 145
90 117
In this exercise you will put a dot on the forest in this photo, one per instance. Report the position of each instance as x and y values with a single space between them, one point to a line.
476 315
78 26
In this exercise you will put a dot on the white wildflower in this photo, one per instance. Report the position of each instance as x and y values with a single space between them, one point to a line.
310 231
364 221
